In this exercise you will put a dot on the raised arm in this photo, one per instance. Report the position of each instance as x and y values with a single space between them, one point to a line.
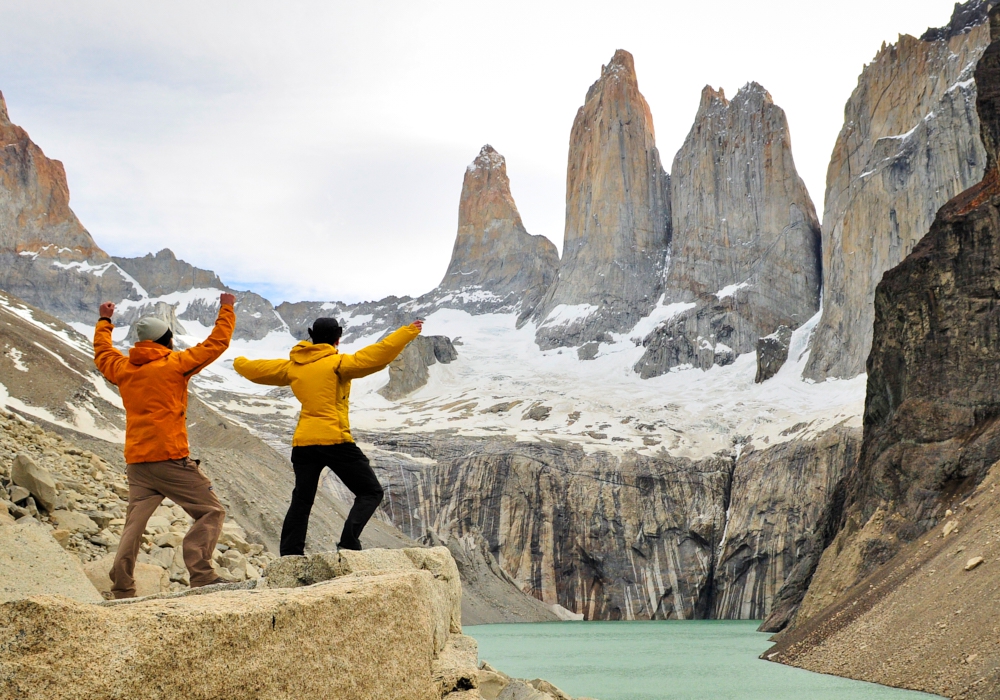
195 359
106 357
378 356
270 372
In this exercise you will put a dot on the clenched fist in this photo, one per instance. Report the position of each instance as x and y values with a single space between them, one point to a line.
227 298
107 309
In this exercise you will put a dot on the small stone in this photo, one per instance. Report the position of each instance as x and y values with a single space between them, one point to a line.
157 525
949 527
948 513
19 494
74 522
169 539
106 538
973 563
62 537
25 472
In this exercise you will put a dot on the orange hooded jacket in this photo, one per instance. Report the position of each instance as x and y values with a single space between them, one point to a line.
153 382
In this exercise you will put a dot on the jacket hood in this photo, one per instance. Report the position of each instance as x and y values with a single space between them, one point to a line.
305 352
147 351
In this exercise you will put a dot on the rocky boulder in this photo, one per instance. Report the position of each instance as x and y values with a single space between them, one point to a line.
772 352
375 630
617 216
410 370
25 472
33 563
291 572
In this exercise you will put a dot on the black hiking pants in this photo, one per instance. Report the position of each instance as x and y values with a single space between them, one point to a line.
349 463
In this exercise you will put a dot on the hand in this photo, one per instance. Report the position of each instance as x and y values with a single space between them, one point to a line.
107 309
418 324
227 298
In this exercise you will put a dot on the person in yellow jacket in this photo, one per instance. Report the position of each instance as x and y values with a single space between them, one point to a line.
320 378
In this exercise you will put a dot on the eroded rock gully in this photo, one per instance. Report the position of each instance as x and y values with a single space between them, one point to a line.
628 537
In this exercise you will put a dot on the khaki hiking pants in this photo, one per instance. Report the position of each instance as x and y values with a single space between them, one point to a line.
183 482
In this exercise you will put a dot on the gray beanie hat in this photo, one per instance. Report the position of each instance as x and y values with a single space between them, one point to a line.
151 328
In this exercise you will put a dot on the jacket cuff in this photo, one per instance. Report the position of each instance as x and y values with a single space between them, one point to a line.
105 318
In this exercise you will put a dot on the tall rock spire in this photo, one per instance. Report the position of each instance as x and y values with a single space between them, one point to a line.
617 216
745 253
493 252
910 142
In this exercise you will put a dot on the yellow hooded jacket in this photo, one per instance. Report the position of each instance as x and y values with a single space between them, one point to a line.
320 378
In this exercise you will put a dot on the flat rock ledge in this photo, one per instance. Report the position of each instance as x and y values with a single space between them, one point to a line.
372 625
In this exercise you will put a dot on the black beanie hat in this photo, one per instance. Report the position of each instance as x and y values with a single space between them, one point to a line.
325 330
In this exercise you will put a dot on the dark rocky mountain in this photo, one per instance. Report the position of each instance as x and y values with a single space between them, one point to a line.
163 274
924 599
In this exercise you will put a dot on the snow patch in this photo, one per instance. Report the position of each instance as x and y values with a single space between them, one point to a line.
564 314
731 289
15 356
658 316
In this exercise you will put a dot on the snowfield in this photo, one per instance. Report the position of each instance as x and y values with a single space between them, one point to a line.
601 404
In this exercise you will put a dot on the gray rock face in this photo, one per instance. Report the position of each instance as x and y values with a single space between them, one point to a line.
161 310
494 255
617 217
784 508
910 143
746 241
702 336
629 538
409 371
772 352
163 273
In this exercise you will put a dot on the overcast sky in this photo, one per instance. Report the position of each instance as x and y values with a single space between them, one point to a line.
315 150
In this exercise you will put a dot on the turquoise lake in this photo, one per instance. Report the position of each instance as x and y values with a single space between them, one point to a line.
680 660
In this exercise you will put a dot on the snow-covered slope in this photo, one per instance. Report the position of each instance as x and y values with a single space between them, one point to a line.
502 384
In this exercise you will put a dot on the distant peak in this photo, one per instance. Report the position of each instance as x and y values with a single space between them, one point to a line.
4 118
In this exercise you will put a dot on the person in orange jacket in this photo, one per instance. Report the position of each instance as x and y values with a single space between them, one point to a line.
153 383
320 377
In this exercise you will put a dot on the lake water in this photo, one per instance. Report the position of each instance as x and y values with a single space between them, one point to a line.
680 660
